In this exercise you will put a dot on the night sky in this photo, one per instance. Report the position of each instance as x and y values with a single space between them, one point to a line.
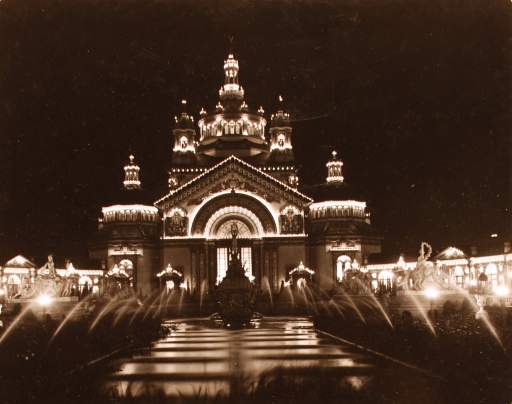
414 95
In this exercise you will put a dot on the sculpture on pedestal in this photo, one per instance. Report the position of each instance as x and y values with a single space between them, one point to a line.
235 293
47 282
425 270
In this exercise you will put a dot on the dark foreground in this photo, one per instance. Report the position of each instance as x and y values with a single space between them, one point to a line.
132 355
275 360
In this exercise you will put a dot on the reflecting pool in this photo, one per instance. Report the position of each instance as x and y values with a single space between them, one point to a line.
199 357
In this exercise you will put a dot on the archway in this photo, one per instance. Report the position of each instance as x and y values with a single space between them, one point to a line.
385 279
213 221
220 230
343 263
248 206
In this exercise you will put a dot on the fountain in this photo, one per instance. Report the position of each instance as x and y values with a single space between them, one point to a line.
47 282
235 294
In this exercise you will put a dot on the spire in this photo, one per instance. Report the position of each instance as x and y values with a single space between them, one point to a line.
281 133
184 133
334 169
184 121
280 118
131 174
231 87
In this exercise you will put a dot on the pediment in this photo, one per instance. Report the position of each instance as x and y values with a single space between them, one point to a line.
233 173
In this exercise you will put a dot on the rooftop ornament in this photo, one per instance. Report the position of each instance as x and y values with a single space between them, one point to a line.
300 276
169 271
171 277
301 268
334 169
70 270
131 174
116 272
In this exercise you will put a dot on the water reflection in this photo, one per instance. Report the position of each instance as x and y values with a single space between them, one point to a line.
199 357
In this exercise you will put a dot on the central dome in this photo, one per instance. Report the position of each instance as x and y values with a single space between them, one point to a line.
232 128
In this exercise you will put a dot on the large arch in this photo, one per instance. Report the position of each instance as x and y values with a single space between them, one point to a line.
245 217
252 209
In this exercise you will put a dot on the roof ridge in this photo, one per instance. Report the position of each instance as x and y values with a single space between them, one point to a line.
225 161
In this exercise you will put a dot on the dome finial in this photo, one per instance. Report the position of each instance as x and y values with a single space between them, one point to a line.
281 117
231 88
334 169
184 120
131 174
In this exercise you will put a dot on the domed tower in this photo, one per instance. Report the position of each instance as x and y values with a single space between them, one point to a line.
281 150
128 231
184 156
184 138
280 162
339 227
232 128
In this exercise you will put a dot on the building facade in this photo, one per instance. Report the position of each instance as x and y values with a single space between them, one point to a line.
230 168
489 275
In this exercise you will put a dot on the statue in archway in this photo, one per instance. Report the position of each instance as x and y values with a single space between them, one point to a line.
235 292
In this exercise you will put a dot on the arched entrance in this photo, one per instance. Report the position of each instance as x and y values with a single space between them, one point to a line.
343 264
219 229
213 221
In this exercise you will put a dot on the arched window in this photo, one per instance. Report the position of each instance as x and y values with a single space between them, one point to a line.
183 142
385 279
13 285
13 280
343 263
280 141
459 276
127 266
85 279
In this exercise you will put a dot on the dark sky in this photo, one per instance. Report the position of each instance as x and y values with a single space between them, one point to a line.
415 96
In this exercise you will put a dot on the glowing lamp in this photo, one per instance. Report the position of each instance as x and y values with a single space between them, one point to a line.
44 300
432 293
2 292
501 291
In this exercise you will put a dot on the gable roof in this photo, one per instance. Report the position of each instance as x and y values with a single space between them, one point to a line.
233 159
19 262
450 253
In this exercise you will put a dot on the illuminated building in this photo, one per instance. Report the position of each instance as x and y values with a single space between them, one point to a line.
229 168
462 272
19 273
